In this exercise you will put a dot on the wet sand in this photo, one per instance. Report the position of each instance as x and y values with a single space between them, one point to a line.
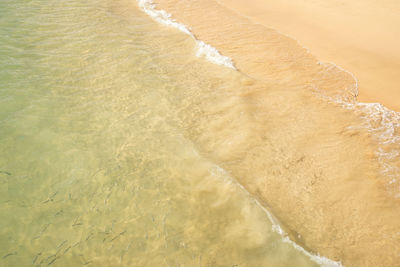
309 161
362 36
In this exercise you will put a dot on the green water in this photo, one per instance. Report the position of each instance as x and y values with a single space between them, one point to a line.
95 165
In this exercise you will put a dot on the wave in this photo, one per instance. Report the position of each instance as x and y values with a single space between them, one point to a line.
213 55
203 49
276 227
383 124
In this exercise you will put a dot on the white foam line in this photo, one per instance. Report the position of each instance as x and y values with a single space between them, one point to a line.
203 49
323 261
383 125
379 120
355 89
213 55
299 44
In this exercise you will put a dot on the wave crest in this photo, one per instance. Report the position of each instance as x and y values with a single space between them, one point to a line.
203 49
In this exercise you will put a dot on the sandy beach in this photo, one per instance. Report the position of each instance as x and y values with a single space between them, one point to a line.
362 37
199 133
302 157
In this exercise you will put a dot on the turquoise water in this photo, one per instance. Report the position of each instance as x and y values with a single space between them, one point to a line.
95 165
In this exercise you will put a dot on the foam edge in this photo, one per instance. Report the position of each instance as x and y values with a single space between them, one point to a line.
276 227
213 55
203 49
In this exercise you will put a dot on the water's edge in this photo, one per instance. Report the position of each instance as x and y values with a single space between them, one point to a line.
214 56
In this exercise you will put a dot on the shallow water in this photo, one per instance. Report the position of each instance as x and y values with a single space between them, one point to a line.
295 136
96 166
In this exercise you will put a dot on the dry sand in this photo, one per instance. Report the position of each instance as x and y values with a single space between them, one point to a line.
306 159
362 36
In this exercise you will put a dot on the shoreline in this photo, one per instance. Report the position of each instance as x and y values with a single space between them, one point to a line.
359 36
352 200
213 55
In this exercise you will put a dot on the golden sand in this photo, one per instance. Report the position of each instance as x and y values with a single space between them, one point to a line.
300 155
362 36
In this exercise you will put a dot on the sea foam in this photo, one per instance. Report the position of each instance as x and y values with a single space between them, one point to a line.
383 124
203 49
276 227
213 55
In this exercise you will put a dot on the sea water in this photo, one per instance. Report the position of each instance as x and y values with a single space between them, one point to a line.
96 164
295 136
